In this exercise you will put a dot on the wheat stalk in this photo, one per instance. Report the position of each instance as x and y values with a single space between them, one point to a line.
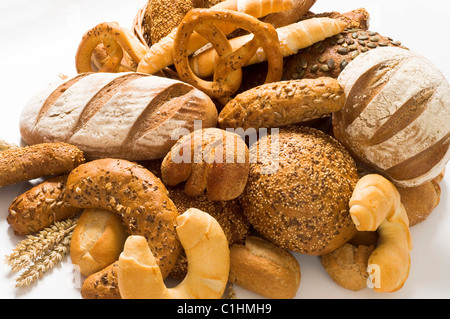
45 249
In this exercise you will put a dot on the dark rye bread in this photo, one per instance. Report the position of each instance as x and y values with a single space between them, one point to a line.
302 206
124 115
396 118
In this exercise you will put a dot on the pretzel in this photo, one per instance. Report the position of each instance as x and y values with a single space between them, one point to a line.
376 205
228 72
115 40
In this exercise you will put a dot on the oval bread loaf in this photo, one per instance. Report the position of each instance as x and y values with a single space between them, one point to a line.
396 118
127 115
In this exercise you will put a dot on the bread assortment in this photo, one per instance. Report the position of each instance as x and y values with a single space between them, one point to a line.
175 163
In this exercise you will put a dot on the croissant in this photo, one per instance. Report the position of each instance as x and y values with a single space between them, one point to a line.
376 205
208 255
292 38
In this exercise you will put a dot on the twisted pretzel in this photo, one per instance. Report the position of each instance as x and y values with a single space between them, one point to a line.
115 40
227 73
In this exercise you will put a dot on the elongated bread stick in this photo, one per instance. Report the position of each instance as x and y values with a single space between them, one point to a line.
293 38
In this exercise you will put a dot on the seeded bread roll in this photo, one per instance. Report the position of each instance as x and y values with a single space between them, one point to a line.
396 117
283 103
265 269
20 164
135 195
162 16
299 199
40 206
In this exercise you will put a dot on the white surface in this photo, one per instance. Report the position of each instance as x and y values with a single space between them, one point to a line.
38 41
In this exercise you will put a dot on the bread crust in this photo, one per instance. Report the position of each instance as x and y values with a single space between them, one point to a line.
134 194
302 206
407 140
97 240
211 161
20 164
283 103
265 269
125 115
40 206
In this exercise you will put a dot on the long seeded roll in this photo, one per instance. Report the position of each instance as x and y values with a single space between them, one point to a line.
40 206
20 164
283 103
298 191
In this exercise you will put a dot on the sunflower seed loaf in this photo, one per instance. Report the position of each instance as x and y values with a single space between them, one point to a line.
283 103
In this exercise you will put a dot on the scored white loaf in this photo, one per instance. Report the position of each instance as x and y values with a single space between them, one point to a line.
397 115
129 115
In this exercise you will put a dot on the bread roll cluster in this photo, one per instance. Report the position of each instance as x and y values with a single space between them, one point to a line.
337 158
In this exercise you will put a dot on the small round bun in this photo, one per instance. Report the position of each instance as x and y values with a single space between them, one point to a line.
97 240
396 118
300 199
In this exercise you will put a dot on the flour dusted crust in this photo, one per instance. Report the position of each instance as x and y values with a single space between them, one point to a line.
127 115
395 118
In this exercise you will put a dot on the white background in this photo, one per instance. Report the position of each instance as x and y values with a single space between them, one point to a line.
38 41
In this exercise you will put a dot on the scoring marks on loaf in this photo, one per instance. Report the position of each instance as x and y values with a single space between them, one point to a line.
103 96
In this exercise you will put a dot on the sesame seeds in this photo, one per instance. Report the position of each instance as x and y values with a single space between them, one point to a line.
304 206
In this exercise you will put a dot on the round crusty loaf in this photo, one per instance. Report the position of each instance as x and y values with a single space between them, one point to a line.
97 240
264 268
127 115
396 118
303 204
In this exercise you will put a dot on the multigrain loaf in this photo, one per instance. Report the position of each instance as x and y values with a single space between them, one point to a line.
126 115
396 118
331 56
298 191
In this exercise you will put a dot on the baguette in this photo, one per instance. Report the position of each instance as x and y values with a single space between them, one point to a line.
292 38
40 206
123 115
